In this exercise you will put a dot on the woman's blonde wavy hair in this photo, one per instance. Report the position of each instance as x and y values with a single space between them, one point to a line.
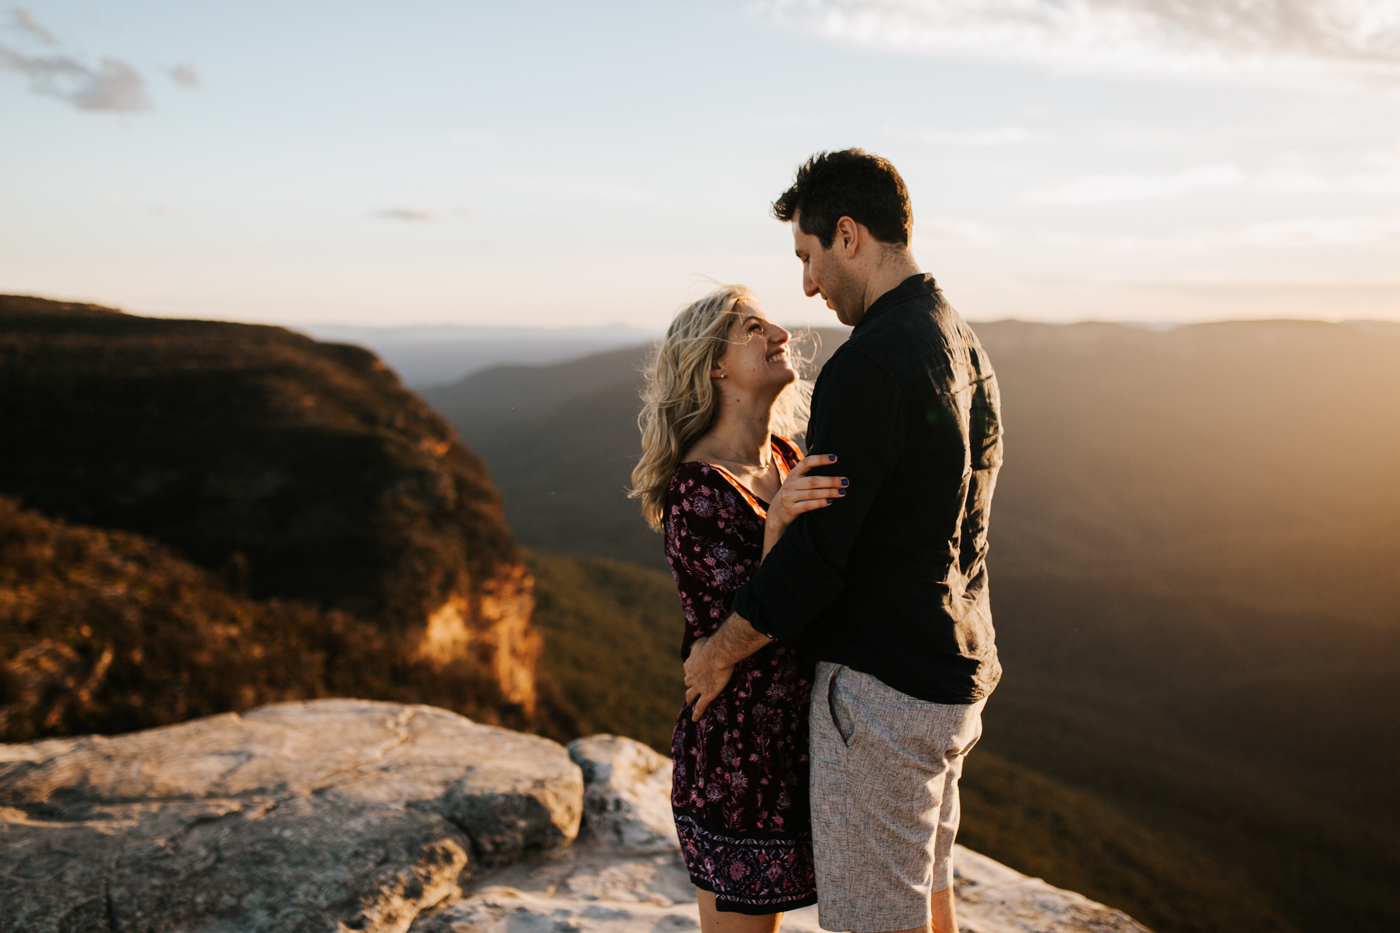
679 403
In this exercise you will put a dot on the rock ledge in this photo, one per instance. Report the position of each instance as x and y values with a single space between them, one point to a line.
349 815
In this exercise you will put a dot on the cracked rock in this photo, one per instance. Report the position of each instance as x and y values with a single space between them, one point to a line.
627 793
333 814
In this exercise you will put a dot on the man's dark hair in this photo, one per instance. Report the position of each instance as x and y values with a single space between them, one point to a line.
850 183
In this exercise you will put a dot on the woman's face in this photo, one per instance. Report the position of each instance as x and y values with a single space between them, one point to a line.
757 356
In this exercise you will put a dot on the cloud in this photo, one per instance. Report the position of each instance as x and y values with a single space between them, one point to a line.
1380 176
184 75
21 20
947 231
1350 36
115 86
406 214
1307 232
1098 188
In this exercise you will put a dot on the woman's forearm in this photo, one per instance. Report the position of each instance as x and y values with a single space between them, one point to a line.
772 531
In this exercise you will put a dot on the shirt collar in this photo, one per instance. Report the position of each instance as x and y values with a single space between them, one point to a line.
921 283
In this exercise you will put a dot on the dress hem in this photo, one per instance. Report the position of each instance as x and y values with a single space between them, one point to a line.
798 844
753 910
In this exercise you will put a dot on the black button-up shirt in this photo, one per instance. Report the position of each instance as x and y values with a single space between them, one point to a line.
891 579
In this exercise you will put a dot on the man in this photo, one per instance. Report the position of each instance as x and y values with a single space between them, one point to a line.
887 588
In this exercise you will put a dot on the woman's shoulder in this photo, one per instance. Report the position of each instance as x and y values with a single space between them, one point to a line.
693 476
700 490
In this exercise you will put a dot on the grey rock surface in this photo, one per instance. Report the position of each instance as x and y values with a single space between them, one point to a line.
627 793
319 816
625 874
597 889
995 899
346 815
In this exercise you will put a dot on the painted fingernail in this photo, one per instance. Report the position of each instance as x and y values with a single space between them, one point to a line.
845 482
831 456
829 501
840 492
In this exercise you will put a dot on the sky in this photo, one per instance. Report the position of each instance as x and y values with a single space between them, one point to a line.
583 164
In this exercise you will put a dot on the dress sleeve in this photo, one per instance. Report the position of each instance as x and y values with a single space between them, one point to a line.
705 546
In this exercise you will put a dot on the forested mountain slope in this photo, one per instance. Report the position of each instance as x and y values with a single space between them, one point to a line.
287 470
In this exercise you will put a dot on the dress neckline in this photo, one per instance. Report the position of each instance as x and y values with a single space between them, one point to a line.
759 506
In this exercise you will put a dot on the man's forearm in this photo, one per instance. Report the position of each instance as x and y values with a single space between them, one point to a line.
735 640
712 660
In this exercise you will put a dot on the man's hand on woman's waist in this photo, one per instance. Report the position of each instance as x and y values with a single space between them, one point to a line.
712 659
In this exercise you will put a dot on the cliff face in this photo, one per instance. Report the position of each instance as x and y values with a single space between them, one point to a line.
290 469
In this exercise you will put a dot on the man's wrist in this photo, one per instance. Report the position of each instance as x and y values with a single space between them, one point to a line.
736 639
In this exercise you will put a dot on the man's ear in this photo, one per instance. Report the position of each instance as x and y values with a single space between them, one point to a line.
847 236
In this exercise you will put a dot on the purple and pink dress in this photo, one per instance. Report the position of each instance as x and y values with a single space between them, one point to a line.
739 792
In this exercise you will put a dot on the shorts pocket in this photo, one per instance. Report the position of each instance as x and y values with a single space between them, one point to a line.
841 702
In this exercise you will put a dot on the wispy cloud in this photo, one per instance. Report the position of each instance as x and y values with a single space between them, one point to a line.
1097 188
113 85
183 75
1380 176
1310 232
405 214
947 231
1357 36
22 20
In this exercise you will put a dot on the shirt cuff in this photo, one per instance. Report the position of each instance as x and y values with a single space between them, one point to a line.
747 606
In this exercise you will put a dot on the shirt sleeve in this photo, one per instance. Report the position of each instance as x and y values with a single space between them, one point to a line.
856 417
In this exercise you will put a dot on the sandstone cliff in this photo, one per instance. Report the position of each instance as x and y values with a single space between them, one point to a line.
294 471
376 817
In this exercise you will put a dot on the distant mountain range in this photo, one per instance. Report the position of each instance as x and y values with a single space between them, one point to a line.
1194 551
430 356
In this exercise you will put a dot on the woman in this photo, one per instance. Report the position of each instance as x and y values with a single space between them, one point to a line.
723 487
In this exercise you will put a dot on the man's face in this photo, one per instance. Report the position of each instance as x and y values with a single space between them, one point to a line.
825 273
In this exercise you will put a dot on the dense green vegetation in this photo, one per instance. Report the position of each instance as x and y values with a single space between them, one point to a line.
612 636
105 631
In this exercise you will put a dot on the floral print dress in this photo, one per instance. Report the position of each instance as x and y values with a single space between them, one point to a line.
739 791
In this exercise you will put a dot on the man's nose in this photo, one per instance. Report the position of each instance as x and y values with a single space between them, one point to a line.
809 288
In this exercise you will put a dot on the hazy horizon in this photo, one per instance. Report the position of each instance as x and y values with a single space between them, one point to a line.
565 165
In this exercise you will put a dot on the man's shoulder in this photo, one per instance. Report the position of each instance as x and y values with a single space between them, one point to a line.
912 336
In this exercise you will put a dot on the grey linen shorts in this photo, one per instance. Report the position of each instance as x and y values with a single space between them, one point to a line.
885 770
